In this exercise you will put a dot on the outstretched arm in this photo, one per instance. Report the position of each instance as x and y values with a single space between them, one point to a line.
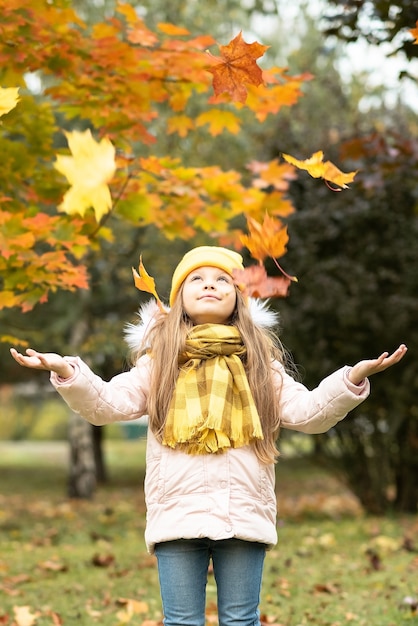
44 361
364 369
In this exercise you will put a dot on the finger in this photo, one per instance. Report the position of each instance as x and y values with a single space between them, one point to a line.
31 352
16 355
382 357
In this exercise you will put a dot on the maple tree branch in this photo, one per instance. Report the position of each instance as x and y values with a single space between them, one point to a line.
107 215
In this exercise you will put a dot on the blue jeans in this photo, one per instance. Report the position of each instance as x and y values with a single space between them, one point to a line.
183 571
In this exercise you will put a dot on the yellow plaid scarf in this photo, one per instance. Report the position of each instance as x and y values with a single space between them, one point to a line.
212 407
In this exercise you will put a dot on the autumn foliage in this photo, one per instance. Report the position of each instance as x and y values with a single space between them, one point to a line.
80 105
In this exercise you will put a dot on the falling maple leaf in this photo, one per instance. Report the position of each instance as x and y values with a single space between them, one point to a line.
317 168
254 282
236 68
145 282
268 239
89 169
414 33
9 97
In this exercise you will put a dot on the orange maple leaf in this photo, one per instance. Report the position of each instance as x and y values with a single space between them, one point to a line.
255 283
271 174
414 33
268 239
145 282
317 168
237 68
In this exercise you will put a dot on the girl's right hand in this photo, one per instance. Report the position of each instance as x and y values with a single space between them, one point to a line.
43 361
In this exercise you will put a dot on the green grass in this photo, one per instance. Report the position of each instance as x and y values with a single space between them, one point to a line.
77 562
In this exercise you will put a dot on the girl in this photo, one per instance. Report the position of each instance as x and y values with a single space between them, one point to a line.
212 379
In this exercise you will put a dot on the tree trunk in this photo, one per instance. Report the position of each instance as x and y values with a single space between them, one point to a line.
406 467
82 474
98 437
86 458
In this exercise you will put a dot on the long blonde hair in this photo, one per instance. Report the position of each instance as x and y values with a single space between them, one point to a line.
167 339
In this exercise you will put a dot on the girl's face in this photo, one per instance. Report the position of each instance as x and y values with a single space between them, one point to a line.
209 296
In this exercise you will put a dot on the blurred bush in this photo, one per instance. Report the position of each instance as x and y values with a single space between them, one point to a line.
29 412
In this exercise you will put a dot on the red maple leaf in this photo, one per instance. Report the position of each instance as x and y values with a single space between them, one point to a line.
255 283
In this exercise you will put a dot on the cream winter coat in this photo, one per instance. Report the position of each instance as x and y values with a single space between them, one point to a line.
216 495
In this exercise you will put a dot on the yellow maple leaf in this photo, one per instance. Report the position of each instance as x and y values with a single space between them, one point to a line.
180 124
9 97
89 170
219 121
317 168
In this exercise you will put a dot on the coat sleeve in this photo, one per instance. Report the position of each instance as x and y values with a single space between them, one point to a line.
122 398
316 411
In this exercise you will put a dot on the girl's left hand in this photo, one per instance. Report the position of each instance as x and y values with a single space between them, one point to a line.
364 369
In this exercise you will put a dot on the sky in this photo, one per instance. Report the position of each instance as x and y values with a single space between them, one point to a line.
359 57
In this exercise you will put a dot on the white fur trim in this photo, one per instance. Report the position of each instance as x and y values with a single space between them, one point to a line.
134 334
261 314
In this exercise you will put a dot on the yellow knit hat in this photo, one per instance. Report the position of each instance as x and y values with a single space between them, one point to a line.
224 259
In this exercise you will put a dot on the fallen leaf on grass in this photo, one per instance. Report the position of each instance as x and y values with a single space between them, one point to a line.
283 585
327 540
326 588
93 612
137 606
53 566
384 544
9 584
409 545
374 560
350 617
131 608
55 617
411 603
103 560
24 616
